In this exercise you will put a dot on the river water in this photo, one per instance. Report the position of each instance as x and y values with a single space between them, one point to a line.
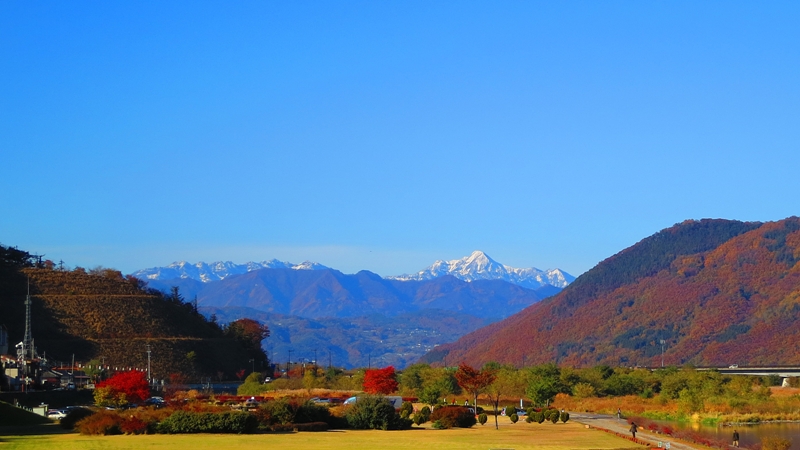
748 434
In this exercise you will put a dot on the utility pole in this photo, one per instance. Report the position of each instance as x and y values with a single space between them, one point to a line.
662 342
289 364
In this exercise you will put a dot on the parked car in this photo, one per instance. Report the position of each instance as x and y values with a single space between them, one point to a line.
56 414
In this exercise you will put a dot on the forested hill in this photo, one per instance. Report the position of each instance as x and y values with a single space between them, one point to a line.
101 313
717 292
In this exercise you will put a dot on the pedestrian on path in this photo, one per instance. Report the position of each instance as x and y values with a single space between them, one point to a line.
735 438
634 429
619 414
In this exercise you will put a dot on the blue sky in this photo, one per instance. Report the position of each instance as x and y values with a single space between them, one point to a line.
385 135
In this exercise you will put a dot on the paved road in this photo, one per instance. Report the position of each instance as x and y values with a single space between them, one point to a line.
621 426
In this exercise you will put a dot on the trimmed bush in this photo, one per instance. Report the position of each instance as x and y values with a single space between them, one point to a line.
554 416
538 416
375 413
564 416
482 418
192 422
453 416
406 410
514 418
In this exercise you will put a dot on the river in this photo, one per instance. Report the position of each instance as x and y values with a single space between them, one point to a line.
748 434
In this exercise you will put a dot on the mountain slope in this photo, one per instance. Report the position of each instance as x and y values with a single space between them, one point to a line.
102 313
717 292
330 293
479 266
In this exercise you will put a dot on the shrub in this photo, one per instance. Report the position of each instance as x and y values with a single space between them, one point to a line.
200 422
406 409
101 423
375 413
74 416
308 412
482 418
775 443
426 412
564 416
453 416
418 419
538 416
514 418
134 425
554 415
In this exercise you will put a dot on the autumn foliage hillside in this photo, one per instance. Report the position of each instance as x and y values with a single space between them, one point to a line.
717 292
101 314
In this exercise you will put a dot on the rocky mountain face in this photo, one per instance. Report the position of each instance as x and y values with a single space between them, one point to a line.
717 292
479 266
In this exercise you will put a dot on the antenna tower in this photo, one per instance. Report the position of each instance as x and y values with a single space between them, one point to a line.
27 341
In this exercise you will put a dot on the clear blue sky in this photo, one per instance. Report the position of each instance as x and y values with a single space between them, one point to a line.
383 135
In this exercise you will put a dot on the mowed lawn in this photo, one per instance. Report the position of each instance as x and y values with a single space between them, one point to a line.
518 436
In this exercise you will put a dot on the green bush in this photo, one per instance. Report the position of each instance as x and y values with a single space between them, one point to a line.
375 413
554 415
453 416
513 417
198 422
564 416
407 408
482 418
538 417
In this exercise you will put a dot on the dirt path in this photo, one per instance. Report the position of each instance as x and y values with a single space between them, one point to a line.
621 426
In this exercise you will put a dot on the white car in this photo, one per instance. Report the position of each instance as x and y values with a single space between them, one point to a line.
56 414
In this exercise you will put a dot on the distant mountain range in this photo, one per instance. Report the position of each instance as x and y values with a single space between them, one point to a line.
715 292
393 320
217 271
479 266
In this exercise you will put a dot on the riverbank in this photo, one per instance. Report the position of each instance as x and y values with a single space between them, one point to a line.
780 405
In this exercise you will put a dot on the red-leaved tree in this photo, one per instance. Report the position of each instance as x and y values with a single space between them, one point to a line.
123 387
380 381
474 381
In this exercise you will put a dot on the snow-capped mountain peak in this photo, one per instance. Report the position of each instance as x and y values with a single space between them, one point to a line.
218 270
480 266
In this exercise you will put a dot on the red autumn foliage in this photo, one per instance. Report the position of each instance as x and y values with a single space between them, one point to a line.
133 384
380 381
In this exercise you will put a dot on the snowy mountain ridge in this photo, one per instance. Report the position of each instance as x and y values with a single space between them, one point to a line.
479 266
217 270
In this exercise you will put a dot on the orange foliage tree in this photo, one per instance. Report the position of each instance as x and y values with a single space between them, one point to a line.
474 381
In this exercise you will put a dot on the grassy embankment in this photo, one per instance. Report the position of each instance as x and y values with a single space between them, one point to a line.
782 405
11 416
518 436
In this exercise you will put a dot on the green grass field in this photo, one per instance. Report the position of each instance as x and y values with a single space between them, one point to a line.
518 436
